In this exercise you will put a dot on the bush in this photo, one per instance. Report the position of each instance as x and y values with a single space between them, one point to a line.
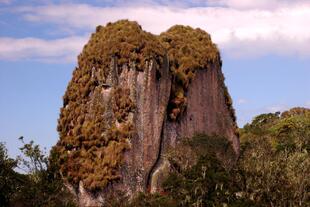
209 180
10 181
42 184
272 170
275 161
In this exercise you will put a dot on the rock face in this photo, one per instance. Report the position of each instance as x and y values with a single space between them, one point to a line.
207 113
133 96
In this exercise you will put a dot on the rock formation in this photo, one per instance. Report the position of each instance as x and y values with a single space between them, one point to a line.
133 96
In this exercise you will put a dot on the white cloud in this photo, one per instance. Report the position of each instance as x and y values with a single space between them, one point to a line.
65 49
240 33
257 4
242 101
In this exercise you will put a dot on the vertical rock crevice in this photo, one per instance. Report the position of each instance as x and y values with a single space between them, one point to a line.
206 113
133 96
150 180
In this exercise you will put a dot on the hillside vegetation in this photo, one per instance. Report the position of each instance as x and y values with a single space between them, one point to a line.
273 170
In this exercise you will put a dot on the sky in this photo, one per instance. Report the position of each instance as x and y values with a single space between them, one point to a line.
265 48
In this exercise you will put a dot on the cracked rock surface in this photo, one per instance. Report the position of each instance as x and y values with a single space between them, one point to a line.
123 111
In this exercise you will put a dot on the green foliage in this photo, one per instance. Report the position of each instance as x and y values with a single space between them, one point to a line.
207 181
275 161
37 162
272 170
140 200
152 200
41 186
10 181
199 177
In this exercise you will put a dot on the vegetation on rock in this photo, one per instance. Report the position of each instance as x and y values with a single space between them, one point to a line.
92 150
122 105
91 145
272 170
124 40
199 176
229 102
188 50
96 130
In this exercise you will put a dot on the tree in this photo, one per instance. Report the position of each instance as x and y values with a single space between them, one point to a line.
272 170
41 185
275 161
10 181
44 185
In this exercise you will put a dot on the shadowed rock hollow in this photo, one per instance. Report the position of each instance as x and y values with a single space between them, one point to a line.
133 96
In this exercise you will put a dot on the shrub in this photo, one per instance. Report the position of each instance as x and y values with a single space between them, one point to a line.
275 161
207 181
41 185
10 181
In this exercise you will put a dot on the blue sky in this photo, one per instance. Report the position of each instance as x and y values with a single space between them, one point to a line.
265 48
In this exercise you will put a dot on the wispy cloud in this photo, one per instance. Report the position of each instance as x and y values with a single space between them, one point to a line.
241 101
240 33
257 4
65 49
238 29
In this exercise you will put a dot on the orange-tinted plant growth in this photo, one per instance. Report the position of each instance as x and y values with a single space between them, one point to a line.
95 128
